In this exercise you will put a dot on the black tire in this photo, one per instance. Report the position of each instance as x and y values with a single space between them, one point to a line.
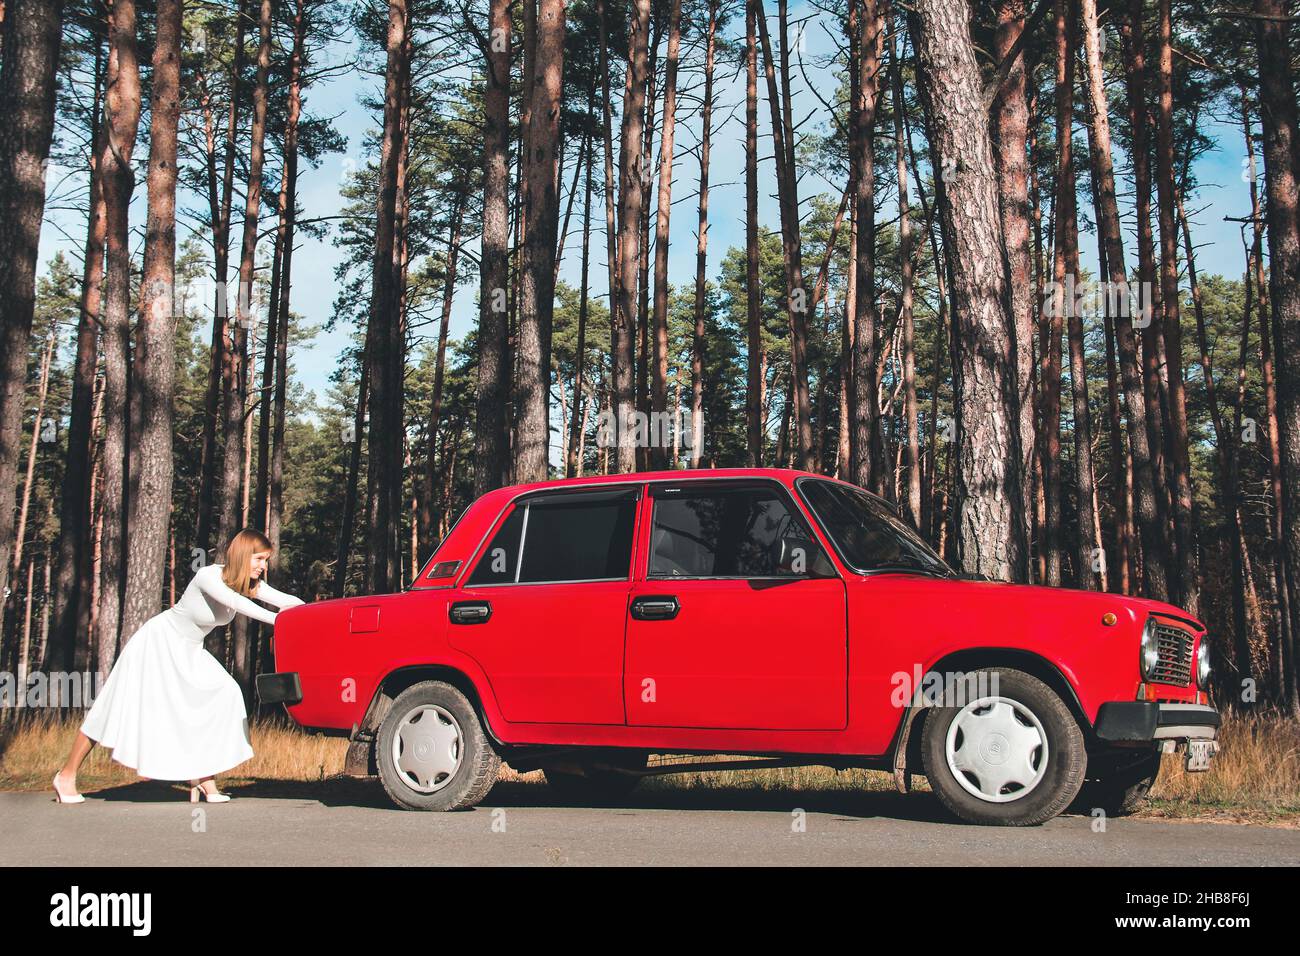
479 763
1060 779
1122 784
596 779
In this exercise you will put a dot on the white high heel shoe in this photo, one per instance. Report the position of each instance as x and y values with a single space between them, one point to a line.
65 798
197 793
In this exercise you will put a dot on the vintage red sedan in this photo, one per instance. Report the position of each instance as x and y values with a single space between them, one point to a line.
580 626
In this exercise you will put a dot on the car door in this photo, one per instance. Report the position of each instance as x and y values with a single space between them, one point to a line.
544 609
739 620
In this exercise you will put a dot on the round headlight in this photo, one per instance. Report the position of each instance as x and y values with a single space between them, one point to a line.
1150 652
1203 664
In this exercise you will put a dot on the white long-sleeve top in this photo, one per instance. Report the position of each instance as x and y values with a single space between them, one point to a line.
209 602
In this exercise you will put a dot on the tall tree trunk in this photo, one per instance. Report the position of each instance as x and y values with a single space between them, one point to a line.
386 341
573 456
754 376
702 242
844 438
1063 210
72 579
1223 444
1121 460
663 210
631 182
616 317
236 366
42 392
490 440
1282 184
1089 561
991 523
122 117
219 357
234 373
1108 224
32 33
273 385
912 442
791 250
426 524
643 258
1189 586
1133 34
1010 127
537 299
347 521
153 385
864 435
1277 537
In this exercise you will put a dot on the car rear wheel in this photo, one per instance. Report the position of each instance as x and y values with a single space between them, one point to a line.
596 779
432 751
1014 757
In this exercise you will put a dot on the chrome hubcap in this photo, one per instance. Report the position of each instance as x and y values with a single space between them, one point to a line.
997 749
427 748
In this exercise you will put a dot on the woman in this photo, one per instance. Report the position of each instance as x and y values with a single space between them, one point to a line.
169 710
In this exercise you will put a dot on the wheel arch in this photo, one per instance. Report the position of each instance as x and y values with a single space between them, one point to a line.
907 737
361 752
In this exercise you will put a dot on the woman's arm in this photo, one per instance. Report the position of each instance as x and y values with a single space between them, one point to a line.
271 596
217 589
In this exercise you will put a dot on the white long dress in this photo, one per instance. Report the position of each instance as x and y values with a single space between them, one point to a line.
168 709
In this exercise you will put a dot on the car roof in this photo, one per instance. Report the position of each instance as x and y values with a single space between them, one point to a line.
477 519
786 475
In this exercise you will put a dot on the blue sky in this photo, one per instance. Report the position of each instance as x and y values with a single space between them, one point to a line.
1220 174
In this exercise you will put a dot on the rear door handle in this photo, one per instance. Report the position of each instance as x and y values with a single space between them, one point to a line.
470 612
655 607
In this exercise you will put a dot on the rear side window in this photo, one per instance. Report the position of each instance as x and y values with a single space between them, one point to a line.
562 537
733 532
500 561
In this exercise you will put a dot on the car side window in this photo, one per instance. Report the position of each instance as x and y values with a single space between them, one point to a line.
744 531
562 537
500 561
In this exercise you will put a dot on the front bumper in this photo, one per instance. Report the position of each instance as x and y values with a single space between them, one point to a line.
1140 720
283 688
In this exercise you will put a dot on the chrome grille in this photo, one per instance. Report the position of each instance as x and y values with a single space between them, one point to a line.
1174 655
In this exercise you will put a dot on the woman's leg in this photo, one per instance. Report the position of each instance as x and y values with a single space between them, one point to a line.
80 748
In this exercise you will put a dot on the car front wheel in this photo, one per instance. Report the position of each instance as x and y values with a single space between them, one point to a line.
1013 757
432 751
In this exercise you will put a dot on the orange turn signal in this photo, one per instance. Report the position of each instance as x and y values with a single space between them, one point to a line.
1109 619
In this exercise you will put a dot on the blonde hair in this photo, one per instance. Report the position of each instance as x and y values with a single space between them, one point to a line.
239 558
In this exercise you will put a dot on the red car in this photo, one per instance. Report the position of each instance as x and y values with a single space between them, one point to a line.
579 626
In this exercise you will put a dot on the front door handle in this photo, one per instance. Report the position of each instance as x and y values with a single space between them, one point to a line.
470 612
655 607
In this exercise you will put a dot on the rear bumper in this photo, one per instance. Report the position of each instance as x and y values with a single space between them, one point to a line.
282 688
1146 720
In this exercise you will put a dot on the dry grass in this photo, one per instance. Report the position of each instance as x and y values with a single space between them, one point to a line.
32 749
1256 777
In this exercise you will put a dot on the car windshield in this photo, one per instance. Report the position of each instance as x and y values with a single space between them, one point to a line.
867 534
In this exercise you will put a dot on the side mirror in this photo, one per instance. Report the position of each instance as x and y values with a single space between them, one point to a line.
793 554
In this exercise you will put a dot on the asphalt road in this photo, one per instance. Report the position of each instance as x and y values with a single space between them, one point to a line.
347 822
